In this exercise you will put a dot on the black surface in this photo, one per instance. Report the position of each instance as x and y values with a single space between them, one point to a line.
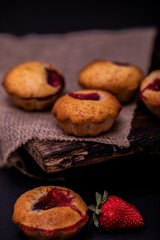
134 178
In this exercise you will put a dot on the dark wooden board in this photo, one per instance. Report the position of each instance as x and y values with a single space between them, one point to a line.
144 137
56 156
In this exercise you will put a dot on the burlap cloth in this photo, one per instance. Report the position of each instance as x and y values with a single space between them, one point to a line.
69 52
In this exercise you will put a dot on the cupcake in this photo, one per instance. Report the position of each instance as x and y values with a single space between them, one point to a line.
86 112
150 92
122 80
34 85
50 213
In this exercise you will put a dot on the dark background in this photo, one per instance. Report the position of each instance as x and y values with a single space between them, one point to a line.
22 17
135 178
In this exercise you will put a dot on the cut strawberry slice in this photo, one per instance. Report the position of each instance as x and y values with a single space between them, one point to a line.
85 96
54 79
54 198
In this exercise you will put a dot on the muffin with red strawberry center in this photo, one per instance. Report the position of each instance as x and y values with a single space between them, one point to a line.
34 85
113 213
86 112
120 79
50 213
150 92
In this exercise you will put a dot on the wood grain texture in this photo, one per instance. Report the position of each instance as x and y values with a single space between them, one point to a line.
144 138
57 156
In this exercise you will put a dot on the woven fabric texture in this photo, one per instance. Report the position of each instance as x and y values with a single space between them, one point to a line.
69 52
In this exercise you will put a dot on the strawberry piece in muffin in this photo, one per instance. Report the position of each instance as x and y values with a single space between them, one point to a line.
34 85
150 92
50 213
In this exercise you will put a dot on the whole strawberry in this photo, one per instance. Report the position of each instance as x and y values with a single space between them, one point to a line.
113 213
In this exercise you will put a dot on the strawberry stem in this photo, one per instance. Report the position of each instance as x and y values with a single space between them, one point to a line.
100 200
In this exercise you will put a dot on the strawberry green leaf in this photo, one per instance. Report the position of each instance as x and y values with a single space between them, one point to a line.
104 198
95 221
98 198
92 208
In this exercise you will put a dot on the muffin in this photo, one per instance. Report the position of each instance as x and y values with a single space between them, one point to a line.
122 80
34 85
86 112
150 92
50 213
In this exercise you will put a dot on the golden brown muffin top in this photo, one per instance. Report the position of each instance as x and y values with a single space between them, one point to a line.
110 76
29 80
150 88
26 213
79 111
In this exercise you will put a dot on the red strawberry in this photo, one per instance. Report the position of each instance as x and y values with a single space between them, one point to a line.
113 213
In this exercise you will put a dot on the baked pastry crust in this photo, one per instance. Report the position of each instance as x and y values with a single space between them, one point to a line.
27 85
120 79
61 222
149 96
86 117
